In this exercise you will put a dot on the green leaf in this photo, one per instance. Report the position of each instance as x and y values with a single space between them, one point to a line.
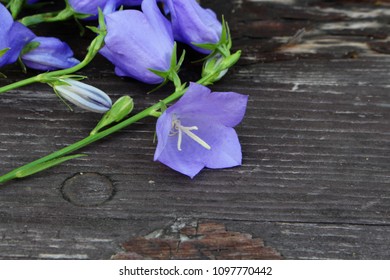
27 171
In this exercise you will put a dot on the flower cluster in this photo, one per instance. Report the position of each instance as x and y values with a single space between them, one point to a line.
40 53
138 41
195 132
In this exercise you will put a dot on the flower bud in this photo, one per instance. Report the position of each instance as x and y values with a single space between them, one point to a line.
193 25
121 108
219 64
83 95
211 65
49 54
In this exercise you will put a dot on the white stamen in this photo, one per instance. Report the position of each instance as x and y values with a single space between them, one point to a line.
179 137
179 129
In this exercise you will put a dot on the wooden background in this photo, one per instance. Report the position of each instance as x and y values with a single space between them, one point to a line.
315 179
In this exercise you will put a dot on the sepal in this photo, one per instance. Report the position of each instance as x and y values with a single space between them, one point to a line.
3 51
98 42
15 6
171 73
29 47
223 46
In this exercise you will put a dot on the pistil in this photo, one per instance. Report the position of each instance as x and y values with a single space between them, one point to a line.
180 129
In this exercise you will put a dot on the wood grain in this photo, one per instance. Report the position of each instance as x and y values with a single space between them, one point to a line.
315 178
194 240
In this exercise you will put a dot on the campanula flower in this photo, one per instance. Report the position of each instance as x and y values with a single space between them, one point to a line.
51 54
13 37
84 96
138 41
90 7
197 131
193 24
130 2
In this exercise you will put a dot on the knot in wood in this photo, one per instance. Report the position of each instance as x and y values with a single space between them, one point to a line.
87 189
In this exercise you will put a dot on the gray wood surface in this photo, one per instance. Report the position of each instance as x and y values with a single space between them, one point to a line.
315 179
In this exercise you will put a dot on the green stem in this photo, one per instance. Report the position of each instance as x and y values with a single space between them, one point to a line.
62 15
35 79
93 138
61 155
94 48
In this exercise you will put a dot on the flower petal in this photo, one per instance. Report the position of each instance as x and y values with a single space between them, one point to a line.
84 95
226 151
6 23
137 42
227 108
163 129
193 24
131 2
17 37
187 161
91 7
51 54
164 36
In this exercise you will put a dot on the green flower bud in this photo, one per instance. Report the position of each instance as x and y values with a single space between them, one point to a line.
219 65
121 108
231 60
212 65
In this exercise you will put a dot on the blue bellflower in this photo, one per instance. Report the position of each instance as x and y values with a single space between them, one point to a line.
131 2
13 36
193 24
90 7
197 131
51 54
138 41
